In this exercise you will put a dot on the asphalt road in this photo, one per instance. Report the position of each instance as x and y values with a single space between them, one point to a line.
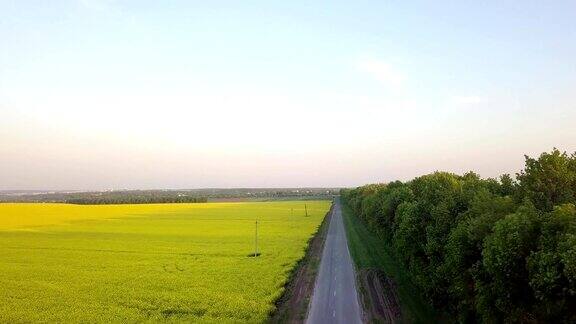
335 298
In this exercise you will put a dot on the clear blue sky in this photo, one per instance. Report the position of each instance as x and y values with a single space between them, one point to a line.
101 94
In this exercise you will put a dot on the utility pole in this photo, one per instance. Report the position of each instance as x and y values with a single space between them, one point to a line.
306 210
256 240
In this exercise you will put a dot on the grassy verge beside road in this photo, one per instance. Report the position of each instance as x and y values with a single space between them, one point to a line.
371 255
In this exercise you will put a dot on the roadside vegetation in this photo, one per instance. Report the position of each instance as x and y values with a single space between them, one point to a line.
371 253
150 263
490 250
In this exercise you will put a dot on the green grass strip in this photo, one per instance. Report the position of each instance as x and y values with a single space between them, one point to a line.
369 251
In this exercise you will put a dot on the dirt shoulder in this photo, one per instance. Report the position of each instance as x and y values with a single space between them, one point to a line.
292 306
379 298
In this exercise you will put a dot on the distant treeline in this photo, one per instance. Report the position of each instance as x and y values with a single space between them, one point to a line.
134 200
168 196
484 250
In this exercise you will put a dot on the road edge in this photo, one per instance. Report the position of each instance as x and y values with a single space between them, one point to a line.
336 229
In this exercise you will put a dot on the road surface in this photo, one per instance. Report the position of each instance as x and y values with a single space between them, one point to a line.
335 299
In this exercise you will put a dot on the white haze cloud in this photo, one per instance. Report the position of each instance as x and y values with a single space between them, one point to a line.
466 100
382 71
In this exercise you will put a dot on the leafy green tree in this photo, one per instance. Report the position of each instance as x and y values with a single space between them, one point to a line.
485 249
549 180
507 185
549 274
409 232
464 249
395 194
505 293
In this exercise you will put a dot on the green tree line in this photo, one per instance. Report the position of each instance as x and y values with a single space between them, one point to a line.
125 199
484 250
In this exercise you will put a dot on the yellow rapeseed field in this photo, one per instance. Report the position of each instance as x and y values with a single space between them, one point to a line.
158 262
29 216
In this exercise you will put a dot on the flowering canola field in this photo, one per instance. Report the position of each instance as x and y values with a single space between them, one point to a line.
158 262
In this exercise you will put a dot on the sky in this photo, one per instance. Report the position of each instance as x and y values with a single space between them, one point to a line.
104 94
